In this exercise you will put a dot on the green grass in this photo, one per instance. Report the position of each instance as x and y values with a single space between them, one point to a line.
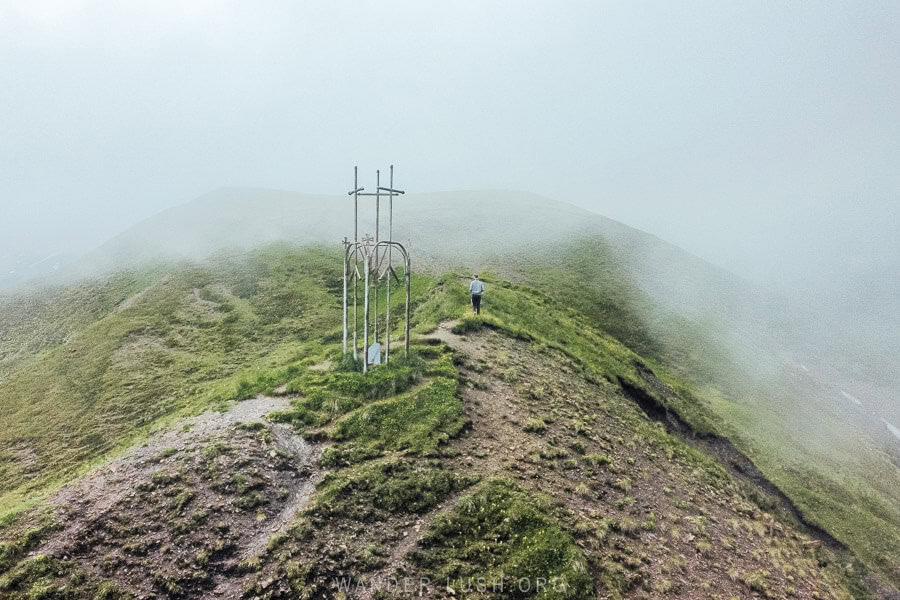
508 539
46 577
392 409
388 486
325 395
418 421
40 321
14 549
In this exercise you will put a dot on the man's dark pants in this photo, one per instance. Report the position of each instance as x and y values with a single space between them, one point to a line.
476 303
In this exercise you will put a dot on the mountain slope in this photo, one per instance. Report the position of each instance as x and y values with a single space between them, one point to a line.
514 450
512 233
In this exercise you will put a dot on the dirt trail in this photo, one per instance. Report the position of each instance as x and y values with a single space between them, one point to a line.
492 416
287 440
489 447
132 300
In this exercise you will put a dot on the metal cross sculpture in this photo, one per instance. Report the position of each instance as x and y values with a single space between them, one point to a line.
376 256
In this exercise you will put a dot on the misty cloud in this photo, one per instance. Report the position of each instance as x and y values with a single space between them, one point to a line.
763 138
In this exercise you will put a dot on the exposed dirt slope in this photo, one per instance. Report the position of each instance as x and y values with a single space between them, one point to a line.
651 516
176 516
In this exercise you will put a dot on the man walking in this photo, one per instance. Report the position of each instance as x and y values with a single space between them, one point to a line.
477 289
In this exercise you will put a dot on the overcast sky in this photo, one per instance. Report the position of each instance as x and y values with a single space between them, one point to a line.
763 136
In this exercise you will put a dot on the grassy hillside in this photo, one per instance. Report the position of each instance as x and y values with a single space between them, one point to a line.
136 352
151 345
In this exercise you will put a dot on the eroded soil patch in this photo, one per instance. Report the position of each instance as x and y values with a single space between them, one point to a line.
180 515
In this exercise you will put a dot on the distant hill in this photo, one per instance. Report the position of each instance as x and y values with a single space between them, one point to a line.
508 232
465 228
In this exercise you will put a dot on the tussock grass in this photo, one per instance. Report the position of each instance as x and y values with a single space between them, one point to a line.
391 485
502 534
418 421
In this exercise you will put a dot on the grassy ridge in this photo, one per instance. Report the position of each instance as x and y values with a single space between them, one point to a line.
527 312
829 489
584 275
839 479
154 346
195 337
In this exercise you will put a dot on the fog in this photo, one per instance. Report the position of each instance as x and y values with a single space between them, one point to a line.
763 137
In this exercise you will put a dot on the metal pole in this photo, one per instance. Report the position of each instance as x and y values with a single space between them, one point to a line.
355 303
375 303
407 302
387 316
355 260
346 248
355 206
366 321
373 254
377 202
377 261
391 220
